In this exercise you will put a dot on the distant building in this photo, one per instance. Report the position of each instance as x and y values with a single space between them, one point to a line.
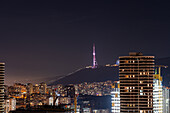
115 99
6 91
18 90
50 101
2 73
96 103
64 100
59 100
70 91
165 100
9 105
36 88
100 111
136 83
49 91
29 88
44 109
43 88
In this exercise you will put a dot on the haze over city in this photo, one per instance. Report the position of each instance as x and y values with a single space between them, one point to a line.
50 38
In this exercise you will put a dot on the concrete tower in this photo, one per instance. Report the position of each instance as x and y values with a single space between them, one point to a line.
94 57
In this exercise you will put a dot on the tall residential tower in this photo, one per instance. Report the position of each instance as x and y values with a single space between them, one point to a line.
136 83
2 73
157 93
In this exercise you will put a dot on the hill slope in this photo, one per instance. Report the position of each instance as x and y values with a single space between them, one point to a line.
90 75
107 73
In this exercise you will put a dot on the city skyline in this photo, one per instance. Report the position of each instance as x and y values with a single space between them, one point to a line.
138 89
46 39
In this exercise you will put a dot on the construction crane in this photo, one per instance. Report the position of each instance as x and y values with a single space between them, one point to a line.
75 103
158 76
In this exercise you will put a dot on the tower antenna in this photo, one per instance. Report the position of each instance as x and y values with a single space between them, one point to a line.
94 58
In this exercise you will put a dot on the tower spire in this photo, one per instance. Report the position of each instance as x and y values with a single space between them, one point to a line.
94 57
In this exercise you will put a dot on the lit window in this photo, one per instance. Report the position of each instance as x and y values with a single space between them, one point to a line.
126 87
140 73
127 76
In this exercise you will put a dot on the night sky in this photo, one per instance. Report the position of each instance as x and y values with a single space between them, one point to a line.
51 38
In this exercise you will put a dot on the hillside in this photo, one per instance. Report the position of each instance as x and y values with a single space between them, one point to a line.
107 73
90 75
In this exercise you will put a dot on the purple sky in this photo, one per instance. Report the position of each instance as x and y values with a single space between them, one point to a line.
46 39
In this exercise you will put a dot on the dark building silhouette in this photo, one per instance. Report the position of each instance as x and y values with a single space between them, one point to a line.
70 90
94 102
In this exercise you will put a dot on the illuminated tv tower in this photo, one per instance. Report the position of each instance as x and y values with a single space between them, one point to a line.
94 58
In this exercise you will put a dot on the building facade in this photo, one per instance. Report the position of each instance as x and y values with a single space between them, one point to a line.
43 88
29 88
157 93
2 73
136 83
165 100
9 105
115 98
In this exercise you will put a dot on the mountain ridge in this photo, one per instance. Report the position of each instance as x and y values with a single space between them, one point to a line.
104 73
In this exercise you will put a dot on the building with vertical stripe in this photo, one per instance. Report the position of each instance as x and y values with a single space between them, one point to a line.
136 83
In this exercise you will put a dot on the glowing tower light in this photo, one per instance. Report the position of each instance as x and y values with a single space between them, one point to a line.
94 58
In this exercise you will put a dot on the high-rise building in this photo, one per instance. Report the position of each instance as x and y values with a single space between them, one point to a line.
29 88
136 83
165 100
36 88
9 104
70 90
115 97
157 93
2 73
43 88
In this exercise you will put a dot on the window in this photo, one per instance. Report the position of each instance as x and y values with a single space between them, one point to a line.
126 76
